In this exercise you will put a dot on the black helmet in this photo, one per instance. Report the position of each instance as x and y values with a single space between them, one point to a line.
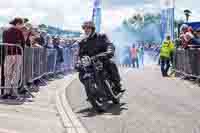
88 24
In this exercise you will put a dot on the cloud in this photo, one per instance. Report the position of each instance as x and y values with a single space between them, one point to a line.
71 13
128 3
61 13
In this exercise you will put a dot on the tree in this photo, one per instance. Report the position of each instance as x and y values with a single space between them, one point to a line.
26 20
187 14
42 26
147 26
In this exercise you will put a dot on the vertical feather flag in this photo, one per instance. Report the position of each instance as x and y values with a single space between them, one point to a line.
167 18
96 15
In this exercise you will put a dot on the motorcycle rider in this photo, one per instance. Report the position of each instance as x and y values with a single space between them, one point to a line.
93 44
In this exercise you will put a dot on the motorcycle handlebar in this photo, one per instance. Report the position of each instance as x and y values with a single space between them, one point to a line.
98 56
90 59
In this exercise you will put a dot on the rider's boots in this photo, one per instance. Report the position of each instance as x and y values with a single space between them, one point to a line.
118 88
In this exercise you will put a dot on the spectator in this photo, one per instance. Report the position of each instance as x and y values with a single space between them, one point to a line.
141 55
27 32
196 39
49 43
26 36
59 59
13 58
186 35
14 35
40 40
43 37
32 37
35 42
134 56
56 43
62 43
165 55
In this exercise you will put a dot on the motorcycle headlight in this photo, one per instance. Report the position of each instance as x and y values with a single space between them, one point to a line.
86 61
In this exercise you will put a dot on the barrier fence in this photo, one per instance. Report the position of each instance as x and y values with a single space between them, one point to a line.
69 60
11 66
187 62
20 67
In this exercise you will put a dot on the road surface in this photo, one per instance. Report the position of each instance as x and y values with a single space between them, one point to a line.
152 104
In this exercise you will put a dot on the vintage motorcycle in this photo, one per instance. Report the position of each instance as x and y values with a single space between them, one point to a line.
98 86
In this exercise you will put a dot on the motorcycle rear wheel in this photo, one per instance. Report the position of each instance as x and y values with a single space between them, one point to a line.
116 101
111 93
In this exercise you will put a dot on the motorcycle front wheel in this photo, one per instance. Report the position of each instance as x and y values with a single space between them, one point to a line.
98 106
94 99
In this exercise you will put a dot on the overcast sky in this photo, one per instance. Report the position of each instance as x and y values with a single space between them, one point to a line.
71 13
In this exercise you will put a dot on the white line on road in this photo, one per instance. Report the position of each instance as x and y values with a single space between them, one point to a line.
69 119
7 131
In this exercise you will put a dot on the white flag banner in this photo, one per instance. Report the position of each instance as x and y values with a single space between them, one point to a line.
167 4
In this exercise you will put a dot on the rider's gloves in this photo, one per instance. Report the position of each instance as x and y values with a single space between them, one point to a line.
78 65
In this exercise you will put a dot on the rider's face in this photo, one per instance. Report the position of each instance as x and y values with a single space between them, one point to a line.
87 30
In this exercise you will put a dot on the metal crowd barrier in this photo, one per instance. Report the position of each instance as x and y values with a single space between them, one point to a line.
11 66
74 55
21 67
39 62
51 60
35 63
67 58
70 56
187 62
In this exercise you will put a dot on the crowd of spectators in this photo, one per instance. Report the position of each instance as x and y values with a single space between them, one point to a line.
189 36
22 33
136 54
148 46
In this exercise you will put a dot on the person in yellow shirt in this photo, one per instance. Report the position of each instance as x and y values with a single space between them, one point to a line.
166 54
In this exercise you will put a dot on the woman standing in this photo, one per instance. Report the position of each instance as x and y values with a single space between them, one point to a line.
13 57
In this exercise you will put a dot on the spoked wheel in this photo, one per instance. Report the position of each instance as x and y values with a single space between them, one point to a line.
114 96
93 99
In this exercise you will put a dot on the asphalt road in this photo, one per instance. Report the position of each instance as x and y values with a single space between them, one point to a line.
152 104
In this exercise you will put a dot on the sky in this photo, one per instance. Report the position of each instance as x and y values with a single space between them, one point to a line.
69 14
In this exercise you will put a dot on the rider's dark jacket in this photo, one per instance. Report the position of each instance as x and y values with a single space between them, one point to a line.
96 44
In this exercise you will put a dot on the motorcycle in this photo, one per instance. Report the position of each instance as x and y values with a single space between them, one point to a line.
99 88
